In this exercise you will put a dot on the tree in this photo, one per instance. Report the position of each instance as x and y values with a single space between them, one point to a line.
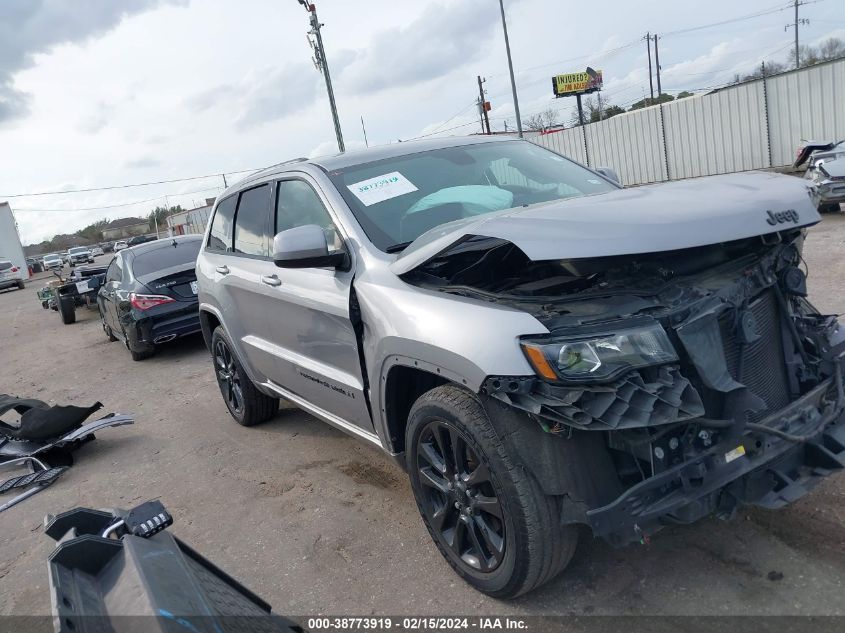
683 95
648 101
542 121
160 213
808 56
93 232
592 112
831 48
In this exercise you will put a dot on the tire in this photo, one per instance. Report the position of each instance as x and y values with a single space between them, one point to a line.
535 547
142 355
829 207
137 354
67 310
45 305
21 285
246 404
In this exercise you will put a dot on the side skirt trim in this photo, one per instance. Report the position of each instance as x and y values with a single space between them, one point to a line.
325 416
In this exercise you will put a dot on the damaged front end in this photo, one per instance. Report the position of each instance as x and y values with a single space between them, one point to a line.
710 377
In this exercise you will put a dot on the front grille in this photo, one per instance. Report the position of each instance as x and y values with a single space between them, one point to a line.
763 366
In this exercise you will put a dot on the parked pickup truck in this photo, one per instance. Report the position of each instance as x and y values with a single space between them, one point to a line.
538 347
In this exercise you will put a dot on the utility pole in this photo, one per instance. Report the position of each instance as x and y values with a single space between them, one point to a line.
482 104
657 67
601 110
323 66
365 132
650 83
510 68
798 22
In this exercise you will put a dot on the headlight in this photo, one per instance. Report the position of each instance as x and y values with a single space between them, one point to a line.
600 356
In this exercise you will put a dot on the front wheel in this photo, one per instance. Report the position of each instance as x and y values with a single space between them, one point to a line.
245 402
489 518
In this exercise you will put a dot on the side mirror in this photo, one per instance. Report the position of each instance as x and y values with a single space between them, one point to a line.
609 172
305 247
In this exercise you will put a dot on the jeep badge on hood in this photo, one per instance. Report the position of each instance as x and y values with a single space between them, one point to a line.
790 215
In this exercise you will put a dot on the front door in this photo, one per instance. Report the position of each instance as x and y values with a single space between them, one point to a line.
316 351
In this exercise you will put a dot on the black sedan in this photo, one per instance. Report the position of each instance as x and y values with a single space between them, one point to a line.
150 294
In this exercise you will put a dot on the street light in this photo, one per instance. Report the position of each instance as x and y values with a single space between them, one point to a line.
323 66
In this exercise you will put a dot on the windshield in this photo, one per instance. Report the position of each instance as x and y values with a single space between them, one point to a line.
398 199
78 250
51 257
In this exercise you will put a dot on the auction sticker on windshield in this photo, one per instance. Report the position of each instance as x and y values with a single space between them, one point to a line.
381 188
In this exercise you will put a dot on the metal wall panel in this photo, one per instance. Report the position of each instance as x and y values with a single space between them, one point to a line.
806 104
717 133
631 143
569 142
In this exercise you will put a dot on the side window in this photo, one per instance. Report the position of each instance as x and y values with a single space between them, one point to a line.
251 222
220 236
114 273
297 204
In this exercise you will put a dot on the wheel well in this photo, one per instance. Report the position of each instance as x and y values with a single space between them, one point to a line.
208 323
403 386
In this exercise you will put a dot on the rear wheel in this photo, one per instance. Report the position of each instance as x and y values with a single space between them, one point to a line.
137 354
829 207
67 309
488 517
245 402
21 285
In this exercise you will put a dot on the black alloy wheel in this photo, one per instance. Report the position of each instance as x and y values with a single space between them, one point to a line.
461 503
228 378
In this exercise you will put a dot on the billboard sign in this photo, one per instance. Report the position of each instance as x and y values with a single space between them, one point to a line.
577 83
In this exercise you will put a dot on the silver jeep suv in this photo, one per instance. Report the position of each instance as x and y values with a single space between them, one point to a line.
538 347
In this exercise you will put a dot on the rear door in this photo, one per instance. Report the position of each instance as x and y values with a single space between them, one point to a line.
244 297
313 341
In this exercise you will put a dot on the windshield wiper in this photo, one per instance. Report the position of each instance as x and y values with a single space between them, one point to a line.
397 248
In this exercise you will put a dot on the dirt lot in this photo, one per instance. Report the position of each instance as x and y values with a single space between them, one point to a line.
317 522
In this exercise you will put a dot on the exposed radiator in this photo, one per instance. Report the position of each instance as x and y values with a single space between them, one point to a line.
763 366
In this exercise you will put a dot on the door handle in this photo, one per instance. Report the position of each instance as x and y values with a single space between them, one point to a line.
223 270
271 280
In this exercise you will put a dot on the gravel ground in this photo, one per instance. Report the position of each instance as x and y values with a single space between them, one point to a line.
317 522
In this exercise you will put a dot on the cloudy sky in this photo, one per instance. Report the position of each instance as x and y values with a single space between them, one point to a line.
98 93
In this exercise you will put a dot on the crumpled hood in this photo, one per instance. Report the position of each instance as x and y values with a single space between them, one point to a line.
647 219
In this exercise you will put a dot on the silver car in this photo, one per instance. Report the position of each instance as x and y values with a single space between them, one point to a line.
536 346
11 276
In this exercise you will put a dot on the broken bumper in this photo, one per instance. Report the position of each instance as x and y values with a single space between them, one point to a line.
768 471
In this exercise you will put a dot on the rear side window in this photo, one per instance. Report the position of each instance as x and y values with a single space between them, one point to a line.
5 265
251 222
182 254
220 236
114 273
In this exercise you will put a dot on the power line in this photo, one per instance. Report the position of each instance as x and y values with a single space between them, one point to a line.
125 204
776 9
458 113
414 138
112 187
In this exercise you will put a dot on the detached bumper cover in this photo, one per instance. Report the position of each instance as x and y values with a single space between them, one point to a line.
758 468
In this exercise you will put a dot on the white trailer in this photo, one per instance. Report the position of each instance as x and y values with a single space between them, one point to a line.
10 241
